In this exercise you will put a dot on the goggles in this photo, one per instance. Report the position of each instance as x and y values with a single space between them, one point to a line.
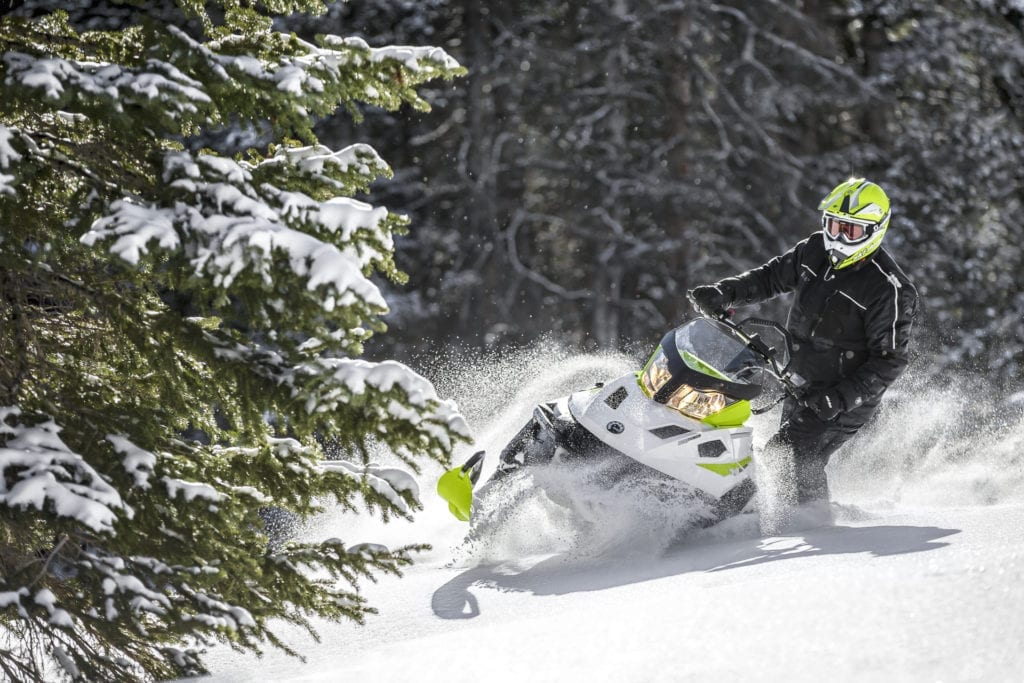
847 230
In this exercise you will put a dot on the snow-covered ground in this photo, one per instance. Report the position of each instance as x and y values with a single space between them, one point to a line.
921 578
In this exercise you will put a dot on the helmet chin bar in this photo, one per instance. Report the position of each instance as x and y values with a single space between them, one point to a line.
837 254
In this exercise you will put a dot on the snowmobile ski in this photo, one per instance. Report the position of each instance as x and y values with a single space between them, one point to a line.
456 486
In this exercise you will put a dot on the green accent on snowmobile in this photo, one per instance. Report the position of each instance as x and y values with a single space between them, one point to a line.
697 364
725 468
730 416
456 488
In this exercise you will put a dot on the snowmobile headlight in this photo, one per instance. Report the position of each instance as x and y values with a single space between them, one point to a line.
655 375
696 403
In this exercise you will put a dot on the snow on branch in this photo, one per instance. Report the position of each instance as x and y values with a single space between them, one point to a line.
347 170
121 584
48 601
61 79
291 456
393 484
313 159
389 482
8 156
305 70
190 490
411 57
341 379
49 476
317 76
228 226
135 226
8 598
404 399
138 462
219 614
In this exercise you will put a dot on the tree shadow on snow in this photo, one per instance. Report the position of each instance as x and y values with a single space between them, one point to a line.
564 573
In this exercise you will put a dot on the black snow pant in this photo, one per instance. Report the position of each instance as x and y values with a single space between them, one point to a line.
812 442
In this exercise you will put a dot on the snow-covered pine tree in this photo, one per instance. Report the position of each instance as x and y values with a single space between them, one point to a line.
180 330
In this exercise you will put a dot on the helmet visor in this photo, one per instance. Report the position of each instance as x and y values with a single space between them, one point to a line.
846 230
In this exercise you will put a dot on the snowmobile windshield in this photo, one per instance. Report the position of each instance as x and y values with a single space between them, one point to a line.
700 368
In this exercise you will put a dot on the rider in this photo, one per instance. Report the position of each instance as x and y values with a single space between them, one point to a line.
850 321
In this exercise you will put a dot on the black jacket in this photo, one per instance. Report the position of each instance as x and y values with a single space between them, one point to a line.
851 327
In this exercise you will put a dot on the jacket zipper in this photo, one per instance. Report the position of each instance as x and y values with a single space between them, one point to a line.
827 276
822 315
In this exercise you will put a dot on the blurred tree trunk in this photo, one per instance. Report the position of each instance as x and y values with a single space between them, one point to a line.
607 290
677 171
481 225
875 44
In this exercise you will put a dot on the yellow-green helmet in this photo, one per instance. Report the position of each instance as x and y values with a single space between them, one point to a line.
855 216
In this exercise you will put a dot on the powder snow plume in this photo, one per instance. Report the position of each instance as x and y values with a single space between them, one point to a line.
955 445
927 447
560 509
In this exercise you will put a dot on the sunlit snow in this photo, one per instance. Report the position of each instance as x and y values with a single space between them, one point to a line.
920 579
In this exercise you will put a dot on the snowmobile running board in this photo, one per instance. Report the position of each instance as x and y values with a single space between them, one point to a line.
456 486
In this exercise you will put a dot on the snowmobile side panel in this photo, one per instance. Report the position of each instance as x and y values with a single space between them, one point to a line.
622 417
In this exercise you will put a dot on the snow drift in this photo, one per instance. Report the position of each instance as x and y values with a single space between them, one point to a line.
920 579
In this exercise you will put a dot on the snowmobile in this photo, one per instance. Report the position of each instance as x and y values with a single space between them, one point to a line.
681 418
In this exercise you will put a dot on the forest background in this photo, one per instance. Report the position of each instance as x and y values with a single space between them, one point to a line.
599 159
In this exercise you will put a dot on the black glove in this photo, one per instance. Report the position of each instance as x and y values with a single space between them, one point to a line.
710 300
826 403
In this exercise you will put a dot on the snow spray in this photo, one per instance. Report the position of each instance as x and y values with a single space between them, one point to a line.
954 445
925 447
565 509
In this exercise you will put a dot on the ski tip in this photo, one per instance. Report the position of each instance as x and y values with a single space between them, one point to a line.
473 466
456 486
